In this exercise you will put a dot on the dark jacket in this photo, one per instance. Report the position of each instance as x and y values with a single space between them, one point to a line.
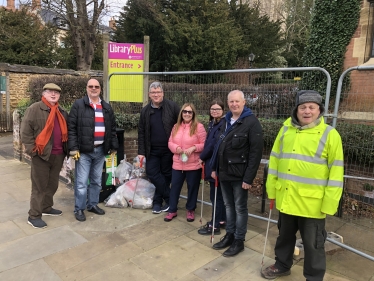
239 152
81 127
170 112
214 130
33 124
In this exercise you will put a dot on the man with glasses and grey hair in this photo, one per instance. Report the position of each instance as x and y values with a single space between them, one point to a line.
156 121
92 135
44 134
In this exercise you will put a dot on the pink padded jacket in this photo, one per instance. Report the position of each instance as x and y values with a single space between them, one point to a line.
183 140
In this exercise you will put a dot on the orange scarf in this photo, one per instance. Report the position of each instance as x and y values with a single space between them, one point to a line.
45 135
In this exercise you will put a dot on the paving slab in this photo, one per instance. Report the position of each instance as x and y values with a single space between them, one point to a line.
123 271
155 232
103 261
11 209
175 259
39 245
34 271
224 268
69 258
9 231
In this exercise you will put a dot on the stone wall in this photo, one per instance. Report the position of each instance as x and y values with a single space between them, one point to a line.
19 77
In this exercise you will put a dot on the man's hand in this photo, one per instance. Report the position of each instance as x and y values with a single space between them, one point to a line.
213 175
246 185
75 154
113 152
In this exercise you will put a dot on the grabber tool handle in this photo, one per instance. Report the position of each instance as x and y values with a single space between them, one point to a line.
271 204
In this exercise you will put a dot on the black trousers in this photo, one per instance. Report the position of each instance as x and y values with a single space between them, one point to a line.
313 234
44 183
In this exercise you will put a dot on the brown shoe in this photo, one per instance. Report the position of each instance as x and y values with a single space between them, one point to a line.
271 272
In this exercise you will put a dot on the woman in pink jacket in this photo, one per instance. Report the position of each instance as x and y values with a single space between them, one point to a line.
186 142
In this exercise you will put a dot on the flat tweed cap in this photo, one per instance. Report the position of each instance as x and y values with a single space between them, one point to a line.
51 86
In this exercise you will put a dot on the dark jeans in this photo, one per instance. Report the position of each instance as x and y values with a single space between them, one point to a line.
158 169
220 206
44 183
193 183
235 198
313 234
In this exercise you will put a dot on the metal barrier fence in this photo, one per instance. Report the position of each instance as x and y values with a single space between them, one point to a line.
354 119
6 122
270 94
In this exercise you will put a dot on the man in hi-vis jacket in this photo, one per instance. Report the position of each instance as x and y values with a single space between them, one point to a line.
306 178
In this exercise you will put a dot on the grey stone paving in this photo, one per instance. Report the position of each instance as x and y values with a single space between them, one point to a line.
132 244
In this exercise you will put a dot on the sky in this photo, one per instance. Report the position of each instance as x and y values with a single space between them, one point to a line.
114 8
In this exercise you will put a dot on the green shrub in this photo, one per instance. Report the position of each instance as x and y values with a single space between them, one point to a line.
368 187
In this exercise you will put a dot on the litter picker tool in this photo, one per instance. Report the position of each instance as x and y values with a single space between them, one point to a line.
137 180
267 231
214 209
202 192
113 173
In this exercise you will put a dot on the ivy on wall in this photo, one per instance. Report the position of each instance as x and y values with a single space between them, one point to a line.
332 27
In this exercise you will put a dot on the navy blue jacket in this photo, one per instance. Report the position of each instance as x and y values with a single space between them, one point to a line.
211 139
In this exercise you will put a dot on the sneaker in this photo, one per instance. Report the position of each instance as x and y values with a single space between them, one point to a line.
170 216
156 209
207 230
165 208
222 224
52 212
36 223
190 216
271 272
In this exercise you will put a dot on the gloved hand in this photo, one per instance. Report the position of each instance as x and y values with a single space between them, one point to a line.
75 154
113 152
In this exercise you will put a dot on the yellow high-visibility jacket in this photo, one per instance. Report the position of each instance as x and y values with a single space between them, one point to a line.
306 170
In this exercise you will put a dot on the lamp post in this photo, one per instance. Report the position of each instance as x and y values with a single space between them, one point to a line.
251 58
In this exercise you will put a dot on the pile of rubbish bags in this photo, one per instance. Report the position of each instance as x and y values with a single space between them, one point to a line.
133 187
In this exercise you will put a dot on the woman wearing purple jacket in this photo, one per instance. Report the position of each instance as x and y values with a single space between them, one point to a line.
215 122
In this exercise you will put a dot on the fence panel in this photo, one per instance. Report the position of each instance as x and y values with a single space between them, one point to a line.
270 93
6 122
354 119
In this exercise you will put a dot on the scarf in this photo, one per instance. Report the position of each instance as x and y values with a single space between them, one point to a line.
45 135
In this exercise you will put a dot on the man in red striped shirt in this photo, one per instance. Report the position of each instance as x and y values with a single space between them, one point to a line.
92 135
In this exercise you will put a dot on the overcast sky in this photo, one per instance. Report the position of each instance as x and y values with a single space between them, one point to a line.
114 6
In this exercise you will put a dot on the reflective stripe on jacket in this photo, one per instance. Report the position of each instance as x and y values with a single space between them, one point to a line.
306 170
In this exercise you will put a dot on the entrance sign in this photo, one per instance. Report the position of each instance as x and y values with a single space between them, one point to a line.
126 57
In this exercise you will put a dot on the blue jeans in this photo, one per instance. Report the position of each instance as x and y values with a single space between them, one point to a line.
235 198
193 183
220 206
158 169
88 167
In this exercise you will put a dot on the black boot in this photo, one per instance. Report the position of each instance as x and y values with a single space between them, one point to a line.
225 241
236 247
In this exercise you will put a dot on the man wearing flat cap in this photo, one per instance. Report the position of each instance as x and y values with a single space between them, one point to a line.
44 134
306 178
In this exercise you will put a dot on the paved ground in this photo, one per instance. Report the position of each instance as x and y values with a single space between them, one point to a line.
132 244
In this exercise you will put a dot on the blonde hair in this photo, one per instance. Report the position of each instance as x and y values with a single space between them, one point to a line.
194 120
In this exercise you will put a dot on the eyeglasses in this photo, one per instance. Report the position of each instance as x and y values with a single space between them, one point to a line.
187 111
52 92
155 93
215 109
93 86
